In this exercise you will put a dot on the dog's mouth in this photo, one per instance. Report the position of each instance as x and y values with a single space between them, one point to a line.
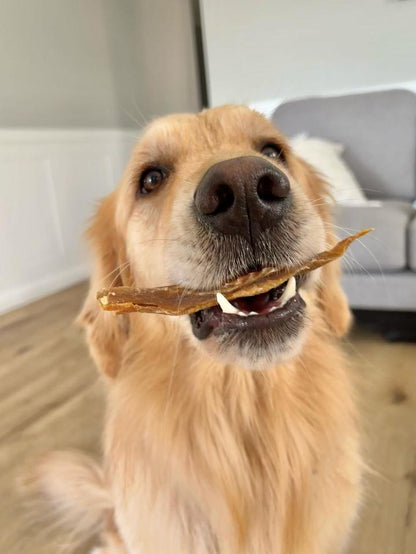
260 311
264 299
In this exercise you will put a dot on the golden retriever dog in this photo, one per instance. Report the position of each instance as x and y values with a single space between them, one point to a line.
226 433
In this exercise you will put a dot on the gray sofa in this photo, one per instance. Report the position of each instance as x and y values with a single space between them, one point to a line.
378 131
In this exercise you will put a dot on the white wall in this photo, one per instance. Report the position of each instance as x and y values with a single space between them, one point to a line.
282 48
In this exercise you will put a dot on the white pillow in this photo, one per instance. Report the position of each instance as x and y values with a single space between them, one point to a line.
326 157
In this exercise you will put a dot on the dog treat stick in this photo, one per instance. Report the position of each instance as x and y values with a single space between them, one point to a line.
176 300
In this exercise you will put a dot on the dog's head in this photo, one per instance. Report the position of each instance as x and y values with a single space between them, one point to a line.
207 198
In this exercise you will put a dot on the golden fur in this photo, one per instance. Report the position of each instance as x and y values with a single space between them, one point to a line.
202 455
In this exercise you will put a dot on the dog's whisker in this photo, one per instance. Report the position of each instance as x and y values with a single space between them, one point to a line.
111 272
145 120
119 271
136 121
350 230
352 259
349 255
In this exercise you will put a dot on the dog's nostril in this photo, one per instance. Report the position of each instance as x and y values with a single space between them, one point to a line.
225 198
271 188
218 200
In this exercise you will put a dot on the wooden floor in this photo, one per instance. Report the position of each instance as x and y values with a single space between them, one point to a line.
50 398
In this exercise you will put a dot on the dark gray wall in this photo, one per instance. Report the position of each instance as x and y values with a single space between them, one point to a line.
95 63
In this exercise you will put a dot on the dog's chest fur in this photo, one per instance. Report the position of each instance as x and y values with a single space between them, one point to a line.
221 460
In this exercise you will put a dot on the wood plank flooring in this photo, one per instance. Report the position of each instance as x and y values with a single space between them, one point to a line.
51 398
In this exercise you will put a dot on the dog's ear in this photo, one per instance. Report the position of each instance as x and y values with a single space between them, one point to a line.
106 332
332 298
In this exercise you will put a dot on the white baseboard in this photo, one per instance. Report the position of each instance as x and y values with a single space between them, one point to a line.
16 297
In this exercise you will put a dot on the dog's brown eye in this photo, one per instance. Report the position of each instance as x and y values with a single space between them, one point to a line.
273 151
151 180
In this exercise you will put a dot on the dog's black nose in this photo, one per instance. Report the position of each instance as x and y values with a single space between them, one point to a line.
242 196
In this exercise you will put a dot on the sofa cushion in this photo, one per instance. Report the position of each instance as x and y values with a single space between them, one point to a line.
412 244
376 128
385 249
390 291
326 157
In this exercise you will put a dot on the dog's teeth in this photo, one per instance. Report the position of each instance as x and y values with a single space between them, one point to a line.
289 292
242 314
253 313
225 305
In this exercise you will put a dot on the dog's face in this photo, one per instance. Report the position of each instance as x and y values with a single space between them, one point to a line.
209 197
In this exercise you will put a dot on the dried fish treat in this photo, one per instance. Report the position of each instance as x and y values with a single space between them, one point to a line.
177 300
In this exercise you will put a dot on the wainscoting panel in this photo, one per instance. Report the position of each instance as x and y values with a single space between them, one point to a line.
50 184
